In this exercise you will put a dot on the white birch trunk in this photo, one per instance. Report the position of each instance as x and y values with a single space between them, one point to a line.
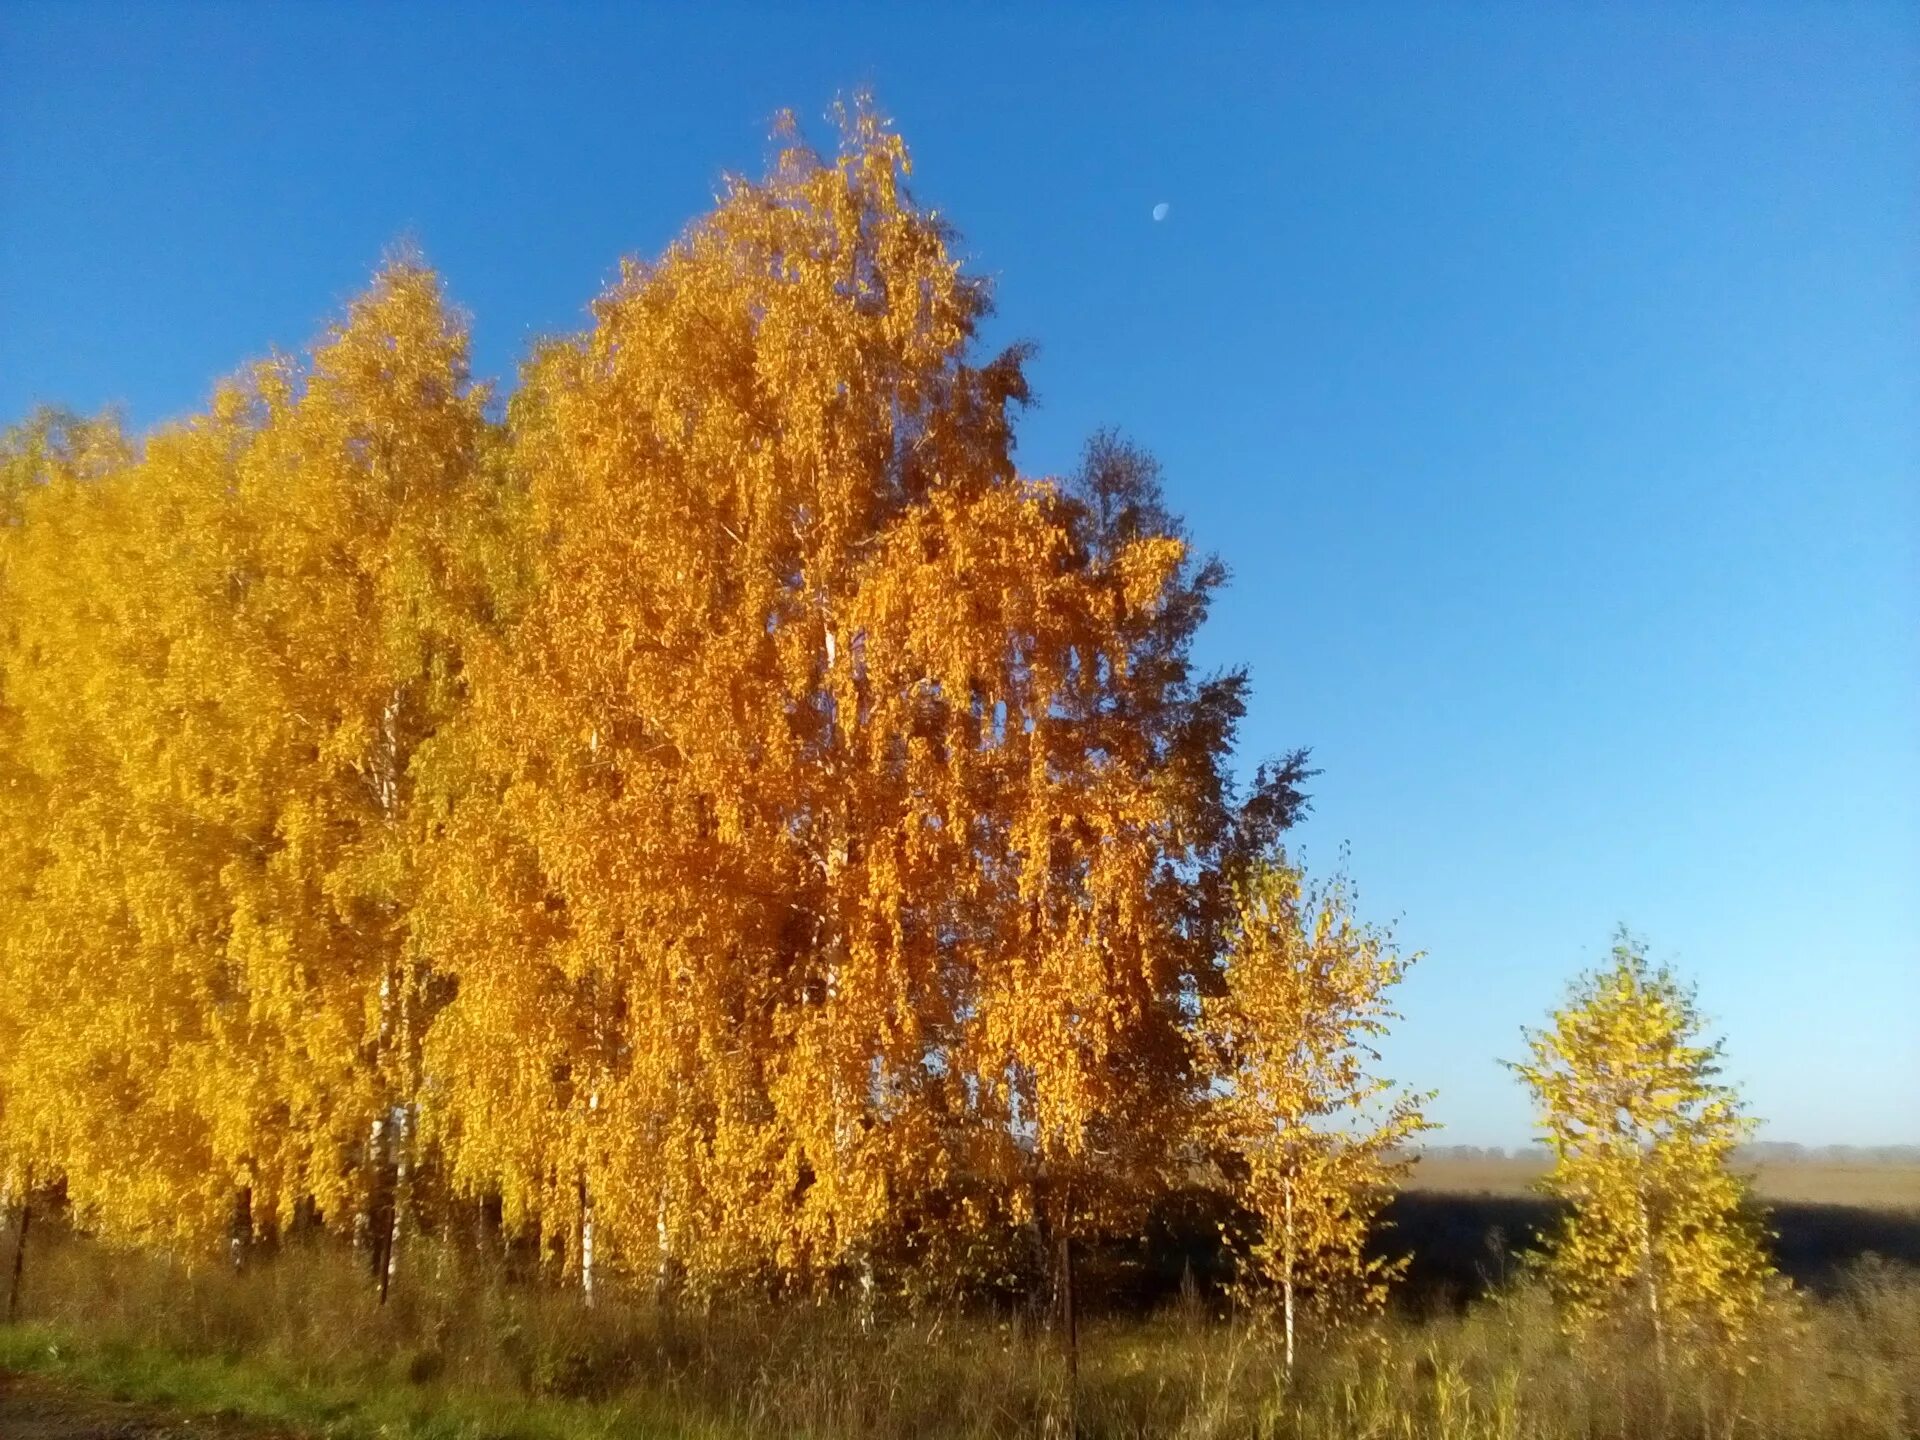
586 1246
586 1217
402 1126
663 1272
376 1162
1286 1282
1653 1285
396 1126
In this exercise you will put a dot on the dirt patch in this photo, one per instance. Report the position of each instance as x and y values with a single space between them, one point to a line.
35 1409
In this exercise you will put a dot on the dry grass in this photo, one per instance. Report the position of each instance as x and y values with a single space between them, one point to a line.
462 1355
1870 1187
1813 1182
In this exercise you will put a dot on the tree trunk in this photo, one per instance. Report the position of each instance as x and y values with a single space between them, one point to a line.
1653 1286
401 1167
305 1219
663 1271
1653 1305
240 1227
20 1248
380 1208
586 1243
391 1140
489 1229
867 1289
1069 1321
1286 1279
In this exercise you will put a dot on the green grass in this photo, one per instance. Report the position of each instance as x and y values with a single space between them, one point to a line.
220 1386
459 1354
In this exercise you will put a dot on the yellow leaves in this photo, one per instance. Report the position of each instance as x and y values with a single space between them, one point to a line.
226 765
1315 1139
1147 568
1659 1229
727 795
852 844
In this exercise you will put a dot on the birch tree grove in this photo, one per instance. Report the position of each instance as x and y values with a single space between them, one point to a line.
713 804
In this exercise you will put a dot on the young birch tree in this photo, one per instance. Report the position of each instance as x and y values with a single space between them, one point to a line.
1660 1231
1314 1138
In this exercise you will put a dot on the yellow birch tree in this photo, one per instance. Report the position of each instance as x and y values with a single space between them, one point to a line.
223 659
108 973
364 483
1659 1231
729 812
1314 1139
825 858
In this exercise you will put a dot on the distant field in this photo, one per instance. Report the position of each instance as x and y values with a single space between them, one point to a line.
1814 1182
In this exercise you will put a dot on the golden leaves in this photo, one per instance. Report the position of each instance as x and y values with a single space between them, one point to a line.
725 797
1317 1140
856 876
1660 1230
259 646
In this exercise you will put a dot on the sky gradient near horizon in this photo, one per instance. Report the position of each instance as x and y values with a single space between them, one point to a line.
1550 382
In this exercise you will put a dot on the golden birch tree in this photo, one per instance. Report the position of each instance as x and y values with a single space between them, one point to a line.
227 655
825 858
363 484
106 978
1659 1231
1315 1141
728 811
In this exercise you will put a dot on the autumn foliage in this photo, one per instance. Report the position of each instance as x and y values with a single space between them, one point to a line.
716 808
1317 1142
1660 1232
707 813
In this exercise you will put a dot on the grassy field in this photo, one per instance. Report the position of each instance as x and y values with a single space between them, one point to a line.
298 1346
1812 1182
1464 1221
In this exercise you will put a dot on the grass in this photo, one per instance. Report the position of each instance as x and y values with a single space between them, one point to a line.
1887 1186
1463 1219
460 1354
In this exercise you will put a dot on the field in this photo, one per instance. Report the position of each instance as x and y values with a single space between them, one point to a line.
1809 1182
115 1341
1464 1220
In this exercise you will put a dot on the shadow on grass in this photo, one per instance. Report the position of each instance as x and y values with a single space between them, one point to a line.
1462 1245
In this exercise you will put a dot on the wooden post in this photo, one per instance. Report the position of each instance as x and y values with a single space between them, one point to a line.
20 1248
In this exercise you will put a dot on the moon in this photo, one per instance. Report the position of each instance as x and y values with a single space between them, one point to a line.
1162 210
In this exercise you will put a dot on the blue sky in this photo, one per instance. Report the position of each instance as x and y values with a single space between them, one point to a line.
1549 380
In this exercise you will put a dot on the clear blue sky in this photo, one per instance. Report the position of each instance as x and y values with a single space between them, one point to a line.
1550 381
